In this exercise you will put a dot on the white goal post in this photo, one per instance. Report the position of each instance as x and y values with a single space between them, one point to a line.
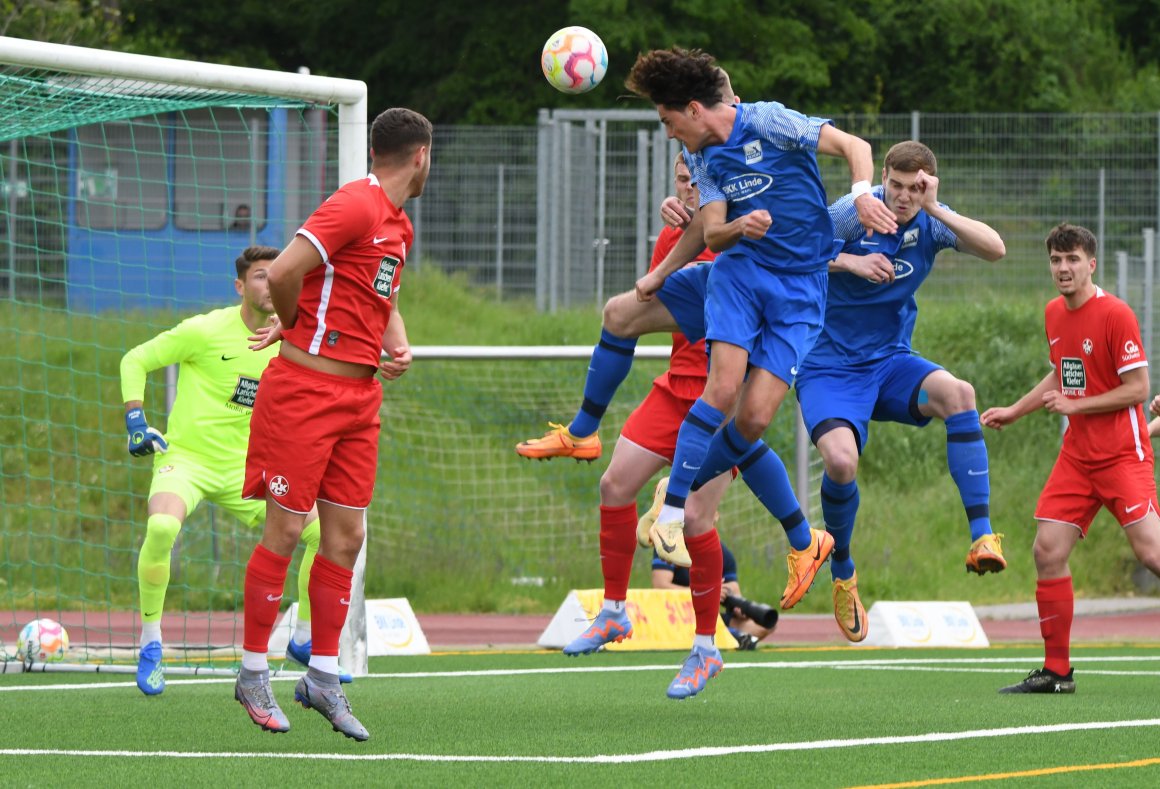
105 73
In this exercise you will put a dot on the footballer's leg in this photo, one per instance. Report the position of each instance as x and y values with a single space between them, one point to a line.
953 401
626 318
630 468
838 446
704 660
167 511
331 576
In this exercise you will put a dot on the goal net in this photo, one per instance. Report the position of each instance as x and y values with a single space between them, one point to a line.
129 186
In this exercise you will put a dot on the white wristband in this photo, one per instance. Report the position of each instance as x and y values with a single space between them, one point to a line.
860 188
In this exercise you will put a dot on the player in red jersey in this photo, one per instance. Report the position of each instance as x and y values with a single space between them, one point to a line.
1099 379
315 429
646 445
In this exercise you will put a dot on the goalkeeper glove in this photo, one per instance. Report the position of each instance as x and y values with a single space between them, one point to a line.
143 440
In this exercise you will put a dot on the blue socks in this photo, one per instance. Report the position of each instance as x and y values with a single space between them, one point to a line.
609 366
693 440
839 508
967 461
767 477
764 473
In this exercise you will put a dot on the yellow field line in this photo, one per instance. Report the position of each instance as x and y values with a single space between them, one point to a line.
1073 768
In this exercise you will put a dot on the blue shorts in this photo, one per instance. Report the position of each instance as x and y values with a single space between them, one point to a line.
775 317
684 295
885 391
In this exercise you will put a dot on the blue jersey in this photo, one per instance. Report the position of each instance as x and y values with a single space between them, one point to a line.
770 162
866 321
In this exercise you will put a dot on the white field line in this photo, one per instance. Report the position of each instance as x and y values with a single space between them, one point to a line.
1008 664
626 758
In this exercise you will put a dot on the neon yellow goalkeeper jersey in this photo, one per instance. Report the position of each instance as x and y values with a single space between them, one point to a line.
216 385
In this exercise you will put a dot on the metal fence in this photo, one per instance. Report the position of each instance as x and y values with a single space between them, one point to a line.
565 212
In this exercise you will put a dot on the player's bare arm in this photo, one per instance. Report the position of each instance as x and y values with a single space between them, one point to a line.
396 358
999 417
872 212
688 246
974 237
1133 389
663 579
1154 406
720 235
285 275
875 268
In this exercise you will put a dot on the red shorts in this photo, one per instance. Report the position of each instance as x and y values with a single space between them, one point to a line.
1074 493
653 426
313 436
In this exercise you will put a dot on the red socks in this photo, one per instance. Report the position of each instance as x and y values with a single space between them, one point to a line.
705 579
329 604
617 546
265 578
1056 600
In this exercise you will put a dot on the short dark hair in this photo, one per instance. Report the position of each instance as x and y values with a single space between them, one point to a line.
910 157
397 132
251 255
1065 237
674 77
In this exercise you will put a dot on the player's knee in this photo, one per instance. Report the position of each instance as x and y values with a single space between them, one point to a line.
1050 559
161 531
957 398
752 421
614 492
964 396
842 465
617 316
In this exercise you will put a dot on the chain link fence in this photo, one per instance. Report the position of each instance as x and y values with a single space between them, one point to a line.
565 212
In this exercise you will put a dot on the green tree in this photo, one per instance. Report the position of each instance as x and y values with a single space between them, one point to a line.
89 23
475 61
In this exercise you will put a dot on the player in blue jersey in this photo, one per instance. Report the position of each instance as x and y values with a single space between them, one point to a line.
862 367
766 292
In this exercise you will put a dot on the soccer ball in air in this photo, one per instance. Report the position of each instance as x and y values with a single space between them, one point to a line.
42 640
574 60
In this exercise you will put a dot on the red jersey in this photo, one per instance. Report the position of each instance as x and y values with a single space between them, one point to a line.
686 358
344 305
1091 347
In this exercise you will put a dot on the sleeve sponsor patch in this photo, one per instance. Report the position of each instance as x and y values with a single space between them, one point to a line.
1072 377
385 278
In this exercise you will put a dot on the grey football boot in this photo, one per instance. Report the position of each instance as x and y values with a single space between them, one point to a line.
320 691
253 691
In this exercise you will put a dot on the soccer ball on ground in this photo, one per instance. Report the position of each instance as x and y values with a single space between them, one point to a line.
43 640
574 60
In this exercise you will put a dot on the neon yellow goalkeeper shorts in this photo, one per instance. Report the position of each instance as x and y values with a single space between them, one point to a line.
186 476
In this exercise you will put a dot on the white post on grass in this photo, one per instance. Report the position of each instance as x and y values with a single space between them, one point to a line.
351 97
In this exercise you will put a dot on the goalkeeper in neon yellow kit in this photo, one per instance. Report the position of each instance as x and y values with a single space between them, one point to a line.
203 455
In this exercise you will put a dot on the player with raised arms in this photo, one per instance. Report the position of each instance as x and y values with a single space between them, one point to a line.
765 297
203 455
863 368
316 427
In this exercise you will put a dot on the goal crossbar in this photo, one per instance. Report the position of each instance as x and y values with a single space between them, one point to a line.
350 95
